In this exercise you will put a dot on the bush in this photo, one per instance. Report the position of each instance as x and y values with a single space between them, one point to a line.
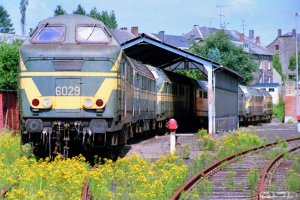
9 62
202 132
279 110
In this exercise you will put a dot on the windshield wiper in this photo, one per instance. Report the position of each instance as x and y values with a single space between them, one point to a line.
92 31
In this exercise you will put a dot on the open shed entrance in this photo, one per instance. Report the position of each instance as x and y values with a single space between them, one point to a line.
153 52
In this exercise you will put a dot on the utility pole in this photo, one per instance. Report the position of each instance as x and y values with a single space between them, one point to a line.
243 25
220 14
23 6
210 19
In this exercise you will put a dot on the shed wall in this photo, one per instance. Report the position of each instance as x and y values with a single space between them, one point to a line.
9 110
226 102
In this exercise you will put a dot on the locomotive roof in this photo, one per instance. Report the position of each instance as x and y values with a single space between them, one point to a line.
250 90
70 19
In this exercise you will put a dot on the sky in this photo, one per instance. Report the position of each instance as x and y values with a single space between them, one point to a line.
175 17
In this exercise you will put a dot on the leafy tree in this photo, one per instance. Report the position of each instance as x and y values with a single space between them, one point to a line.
59 11
79 11
277 65
192 73
214 55
23 6
5 24
9 57
292 62
231 56
108 19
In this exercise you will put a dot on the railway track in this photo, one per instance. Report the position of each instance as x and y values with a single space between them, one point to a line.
273 177
230 175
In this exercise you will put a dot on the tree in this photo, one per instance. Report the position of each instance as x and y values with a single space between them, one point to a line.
292 62
231 56
108 19
23 6
5 24
59 11
79 11
277 65
9 60
192 73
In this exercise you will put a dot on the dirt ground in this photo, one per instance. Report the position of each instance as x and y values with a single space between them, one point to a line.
156 146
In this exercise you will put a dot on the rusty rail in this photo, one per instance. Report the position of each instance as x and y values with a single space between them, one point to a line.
85 194
85 189
265 173
189 184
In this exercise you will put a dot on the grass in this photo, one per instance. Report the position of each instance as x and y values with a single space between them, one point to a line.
293 181
127 178
252 179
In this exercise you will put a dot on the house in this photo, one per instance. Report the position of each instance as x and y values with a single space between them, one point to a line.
10 38
251 45
178 41
273 88
285 47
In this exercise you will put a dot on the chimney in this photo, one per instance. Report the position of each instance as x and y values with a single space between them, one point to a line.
161 35
257 40
242 37
123 28
294 32
135 30
279 32
251 34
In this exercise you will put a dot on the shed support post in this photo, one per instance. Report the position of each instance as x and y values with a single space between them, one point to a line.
210 100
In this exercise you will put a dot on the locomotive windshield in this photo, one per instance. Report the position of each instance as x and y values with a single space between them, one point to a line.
91 34
50 34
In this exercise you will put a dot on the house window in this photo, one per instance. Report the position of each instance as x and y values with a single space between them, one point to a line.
277 47
271 90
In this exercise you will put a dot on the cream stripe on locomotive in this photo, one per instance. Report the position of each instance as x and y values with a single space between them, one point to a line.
28 74
67 102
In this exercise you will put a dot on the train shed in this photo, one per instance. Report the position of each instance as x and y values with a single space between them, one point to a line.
222 84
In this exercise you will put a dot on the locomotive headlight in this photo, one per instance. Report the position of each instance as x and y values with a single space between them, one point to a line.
88 103
47 103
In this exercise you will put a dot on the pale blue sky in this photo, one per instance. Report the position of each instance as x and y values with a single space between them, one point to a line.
175 16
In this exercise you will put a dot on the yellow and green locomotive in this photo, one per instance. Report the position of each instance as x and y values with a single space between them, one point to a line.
77 89
76 86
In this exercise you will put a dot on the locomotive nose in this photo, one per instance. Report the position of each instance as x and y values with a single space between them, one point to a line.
34 125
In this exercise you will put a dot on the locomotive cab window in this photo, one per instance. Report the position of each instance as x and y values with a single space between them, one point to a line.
91 34
49 34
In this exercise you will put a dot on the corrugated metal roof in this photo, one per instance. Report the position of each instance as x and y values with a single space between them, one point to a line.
151 51
174 40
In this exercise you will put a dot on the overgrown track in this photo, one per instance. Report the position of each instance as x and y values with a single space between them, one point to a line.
86 195
275 173
252 161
